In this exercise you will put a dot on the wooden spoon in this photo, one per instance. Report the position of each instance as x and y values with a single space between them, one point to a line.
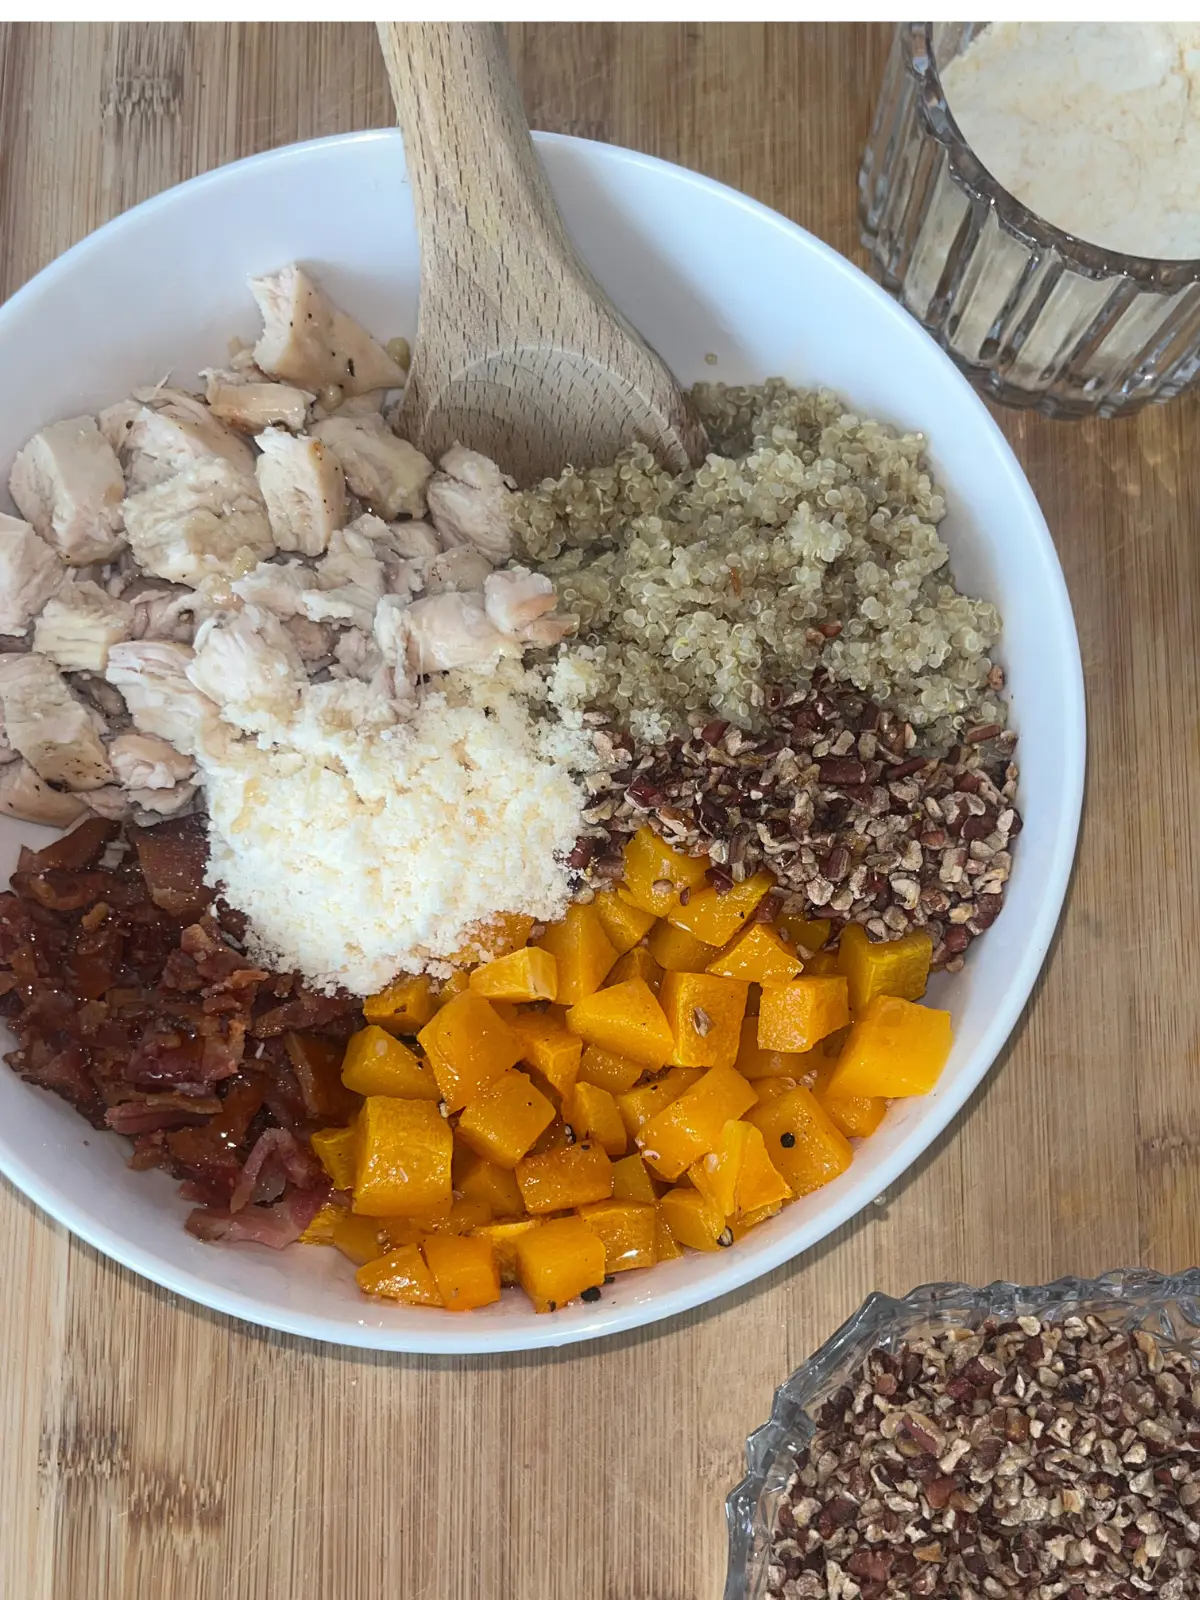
519 354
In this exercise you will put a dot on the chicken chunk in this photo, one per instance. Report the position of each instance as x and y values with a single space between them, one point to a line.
144 761
50 726
314 641
79 626
357 655
23 794
150 805
308 341
111 802
275 587
152 676
452 630
470 502
164 431
521 604
249 667
251 407
416 541
68 483
459 569
405 559
208 519
302 482
350 583
30 572
162 611
386 472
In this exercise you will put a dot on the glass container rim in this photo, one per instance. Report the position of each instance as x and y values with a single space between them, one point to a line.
1164 274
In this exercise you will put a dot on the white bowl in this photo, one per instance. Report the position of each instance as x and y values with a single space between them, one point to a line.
699 269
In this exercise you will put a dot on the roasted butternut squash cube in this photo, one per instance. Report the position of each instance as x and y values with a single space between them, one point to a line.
898 967
562 1179
377 1063
395 1231
738 1175
503 1120
754 1062
705 1017
802 1143
636 963
357 1238
665 1247
464 1270
740 1226
528 974
677 950
626 925
823 965
496 1187
401 1275
550 1048
405 1006
594 1116
607 1071
857 1116
805 936
756 955
626 1020
582 951
336 1150
715 917
507 930
404 1153
320 1229
632 1180
771 1088
692 1219
627 1230
895 1049
503 1237
654 873
795 1016
468 1046
691 1125
559 1260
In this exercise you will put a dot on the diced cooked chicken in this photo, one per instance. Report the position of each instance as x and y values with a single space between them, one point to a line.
92 688
68 483
30 572
462 568
355 405
416 541
162 802
249 666
208 519
453 630
79 625
470 502
301 480
386 472
405 560
152 676
350 583
520 603
112 802
308 341
23 794
254 406
276 587
162 611
144 761
51 727
358 655
165 431
314 641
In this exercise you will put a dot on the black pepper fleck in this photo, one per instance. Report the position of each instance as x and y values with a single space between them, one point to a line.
787 1140
590 1294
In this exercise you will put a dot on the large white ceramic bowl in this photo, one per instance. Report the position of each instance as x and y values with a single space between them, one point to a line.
698 269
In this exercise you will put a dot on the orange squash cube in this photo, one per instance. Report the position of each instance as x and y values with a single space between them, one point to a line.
895 1049
691 1125
563 1179
802 935
857 1116
594 1116
898 967
654 873
496 1187
626 925
400 1275
754 1062
665 1248
357 1238
503 1120
823 965
714 917
506 931
377 1063
738 1176
320 1229
405 1006
705 1017
795 1016
550 1048
503 1236
627 1021
468 1046
607 1071
336 1150
677 950
558 1261
636 963
632 1181
627 1229
692 1219
771 1088
756 955
802 1143
582 951
528 974
464 1270
740 1226
404 1153
638 1105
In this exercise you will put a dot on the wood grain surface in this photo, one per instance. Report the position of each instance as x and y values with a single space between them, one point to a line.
148 1448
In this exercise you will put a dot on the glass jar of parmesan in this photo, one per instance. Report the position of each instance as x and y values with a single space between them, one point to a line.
1031 193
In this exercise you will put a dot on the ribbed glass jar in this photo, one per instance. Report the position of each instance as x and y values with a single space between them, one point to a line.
1032 315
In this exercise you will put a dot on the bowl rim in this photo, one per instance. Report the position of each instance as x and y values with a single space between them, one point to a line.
755 1258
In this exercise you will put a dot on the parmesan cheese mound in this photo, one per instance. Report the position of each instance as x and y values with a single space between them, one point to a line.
360 845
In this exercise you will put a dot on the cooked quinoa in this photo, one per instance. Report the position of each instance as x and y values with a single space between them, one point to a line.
808 537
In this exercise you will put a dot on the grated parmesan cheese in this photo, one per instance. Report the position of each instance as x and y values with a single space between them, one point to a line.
359 845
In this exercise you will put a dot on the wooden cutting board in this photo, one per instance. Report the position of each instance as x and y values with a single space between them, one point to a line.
147 1447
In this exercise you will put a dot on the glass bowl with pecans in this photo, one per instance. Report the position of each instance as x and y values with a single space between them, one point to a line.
1041 1442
